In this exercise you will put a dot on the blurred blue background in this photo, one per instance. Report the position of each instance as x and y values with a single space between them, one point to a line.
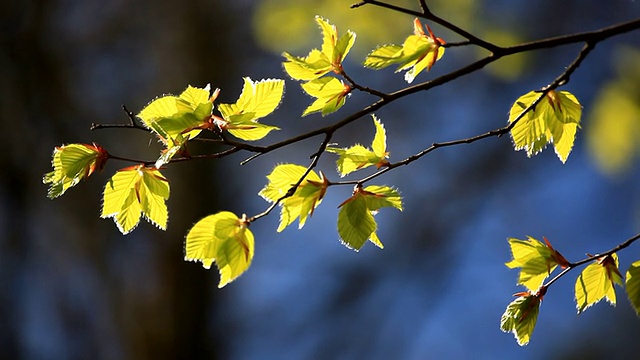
73 287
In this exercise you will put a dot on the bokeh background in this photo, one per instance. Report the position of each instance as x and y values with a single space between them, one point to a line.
73 287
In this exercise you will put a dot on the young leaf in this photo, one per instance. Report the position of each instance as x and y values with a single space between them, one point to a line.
536 260
555 119
596 282
135 190
632 284
257 100
356 224
72 163
358 157
222 238
418 52
330 92
307 196
320 62
521 315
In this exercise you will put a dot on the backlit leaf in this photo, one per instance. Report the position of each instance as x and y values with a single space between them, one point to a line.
134 191
535 260
72 163
419 51
555 119
320 62
632 285
359 157
355 222
307 196
222 238
330 92
596 282
521 316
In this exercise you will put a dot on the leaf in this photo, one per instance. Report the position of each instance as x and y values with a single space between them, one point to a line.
555 119
307 196
257 100
222 238
358 157
596 282
170 116
133 191
330 92
418 52
320 62
356 224
536 260
632 284
521 316
72 163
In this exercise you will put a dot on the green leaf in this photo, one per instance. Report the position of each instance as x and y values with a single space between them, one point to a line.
535 259
133 191
555 119
632 284
330 92
359 157
307 196
355 222
378 197
72 163
419 51
520 317
257 100
222 238
596 282
320 62
170 116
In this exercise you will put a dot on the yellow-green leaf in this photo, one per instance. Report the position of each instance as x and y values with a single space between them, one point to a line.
258 97
72 163
535 260
355 222
305 198
632 286
378 197
320 62
419 51
596 282
359 157
134 191
222 238
330 92
521 316
555 119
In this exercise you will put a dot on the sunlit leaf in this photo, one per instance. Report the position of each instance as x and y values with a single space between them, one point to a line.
521 316
222 238
359 157
330 92
596 282
555 119
134 191
72 163
355 222
320 62
419 51
307 196
632 285
258 99
170 116
535 259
